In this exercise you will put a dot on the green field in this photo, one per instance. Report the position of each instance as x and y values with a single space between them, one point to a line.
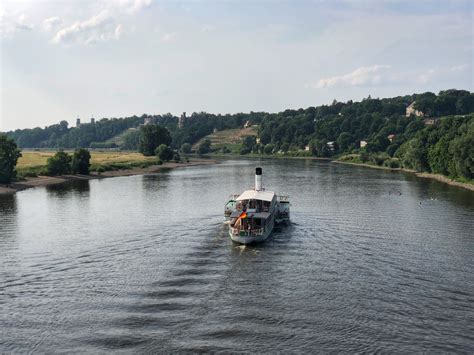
33 163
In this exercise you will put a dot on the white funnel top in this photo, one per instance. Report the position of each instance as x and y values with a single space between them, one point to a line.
258 179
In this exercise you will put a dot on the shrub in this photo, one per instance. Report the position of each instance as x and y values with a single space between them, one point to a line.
268 149
204 147
81 161
59 164
176 157
364 157
164 152
392 163
9 155
103 145
244 150
186 148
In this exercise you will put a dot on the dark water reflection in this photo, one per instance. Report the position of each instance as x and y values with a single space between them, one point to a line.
144 264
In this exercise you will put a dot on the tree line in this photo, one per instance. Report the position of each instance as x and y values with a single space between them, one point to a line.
388 136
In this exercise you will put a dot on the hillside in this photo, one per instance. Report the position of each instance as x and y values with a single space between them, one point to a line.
426 132
230 138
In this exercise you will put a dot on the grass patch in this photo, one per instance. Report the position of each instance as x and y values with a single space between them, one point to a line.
228 137
33 163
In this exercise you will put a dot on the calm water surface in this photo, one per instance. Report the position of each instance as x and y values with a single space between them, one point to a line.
144 264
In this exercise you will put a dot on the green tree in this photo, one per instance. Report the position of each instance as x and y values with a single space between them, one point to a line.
344 141
9 155
378 144
244 150
81 161
176 157
164 152
439 157
268 149
59 164
204 147
249 142
415 156
186 148
131 140
153 136
462 150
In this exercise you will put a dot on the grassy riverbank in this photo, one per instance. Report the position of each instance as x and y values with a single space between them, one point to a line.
31 168
33 163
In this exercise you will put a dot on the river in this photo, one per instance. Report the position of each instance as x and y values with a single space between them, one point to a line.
372 261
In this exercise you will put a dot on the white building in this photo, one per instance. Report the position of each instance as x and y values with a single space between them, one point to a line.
412 111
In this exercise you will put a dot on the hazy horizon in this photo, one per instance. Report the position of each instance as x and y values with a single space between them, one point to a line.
60 60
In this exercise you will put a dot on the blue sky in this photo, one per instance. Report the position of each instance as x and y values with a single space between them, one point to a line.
116 58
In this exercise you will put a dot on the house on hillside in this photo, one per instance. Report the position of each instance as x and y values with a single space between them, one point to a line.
431 121
331 145
363 143
247 124
306 148
410 110
391 137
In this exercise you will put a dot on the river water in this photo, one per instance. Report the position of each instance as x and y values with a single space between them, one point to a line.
373 261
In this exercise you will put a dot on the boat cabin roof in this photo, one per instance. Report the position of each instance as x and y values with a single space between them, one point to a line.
260 215
256 195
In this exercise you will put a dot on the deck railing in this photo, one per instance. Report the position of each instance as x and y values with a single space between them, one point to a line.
246 232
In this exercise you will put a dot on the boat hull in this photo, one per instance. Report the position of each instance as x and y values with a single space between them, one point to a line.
249 239
245 238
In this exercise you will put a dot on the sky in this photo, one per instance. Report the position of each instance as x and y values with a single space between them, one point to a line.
64 59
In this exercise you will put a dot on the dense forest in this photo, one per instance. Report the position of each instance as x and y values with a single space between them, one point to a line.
437 136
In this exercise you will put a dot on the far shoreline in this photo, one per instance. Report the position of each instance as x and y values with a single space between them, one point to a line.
437 177
40 181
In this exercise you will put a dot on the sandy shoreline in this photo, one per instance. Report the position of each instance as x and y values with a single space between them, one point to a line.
437 177
54 180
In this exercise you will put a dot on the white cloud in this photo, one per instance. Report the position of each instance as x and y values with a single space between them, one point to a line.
133 6
359 77
22 24
102 26
458 68
82 31
10 23
441 73
51 22
169 37
118 31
